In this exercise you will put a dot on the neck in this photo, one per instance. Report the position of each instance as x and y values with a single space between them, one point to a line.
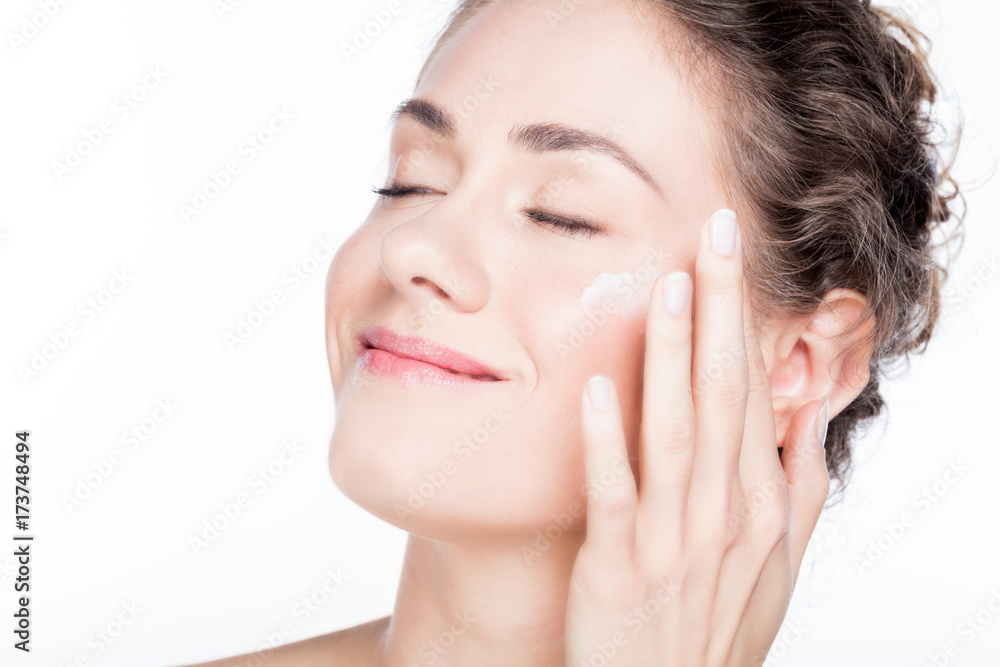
481 604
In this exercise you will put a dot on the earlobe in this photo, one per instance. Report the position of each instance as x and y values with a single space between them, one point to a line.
813 357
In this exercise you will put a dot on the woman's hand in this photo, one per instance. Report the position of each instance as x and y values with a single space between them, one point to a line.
698 568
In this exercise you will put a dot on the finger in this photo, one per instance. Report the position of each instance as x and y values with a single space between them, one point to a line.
759 463
720 363
611 491
666 445
804 463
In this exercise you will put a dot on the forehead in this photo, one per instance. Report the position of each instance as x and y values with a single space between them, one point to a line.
595 65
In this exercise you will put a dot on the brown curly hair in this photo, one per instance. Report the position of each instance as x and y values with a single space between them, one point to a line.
826 135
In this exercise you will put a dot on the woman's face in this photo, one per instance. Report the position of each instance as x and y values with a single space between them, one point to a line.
468 263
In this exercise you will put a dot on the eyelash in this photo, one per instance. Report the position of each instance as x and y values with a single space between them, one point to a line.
576 227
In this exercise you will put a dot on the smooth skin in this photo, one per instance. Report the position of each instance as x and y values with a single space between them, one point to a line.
713 509
698 568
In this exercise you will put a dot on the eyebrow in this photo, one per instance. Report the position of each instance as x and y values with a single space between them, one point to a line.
536 138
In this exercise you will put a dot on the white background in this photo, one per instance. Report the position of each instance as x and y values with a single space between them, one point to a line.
162 338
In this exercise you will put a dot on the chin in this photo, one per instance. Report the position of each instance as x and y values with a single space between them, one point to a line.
484 506
390 475
412 459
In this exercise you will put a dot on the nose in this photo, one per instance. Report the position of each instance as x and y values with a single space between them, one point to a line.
426 259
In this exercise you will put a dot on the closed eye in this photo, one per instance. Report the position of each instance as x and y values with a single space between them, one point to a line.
571 225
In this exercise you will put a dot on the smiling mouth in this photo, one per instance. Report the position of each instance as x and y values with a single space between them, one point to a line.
485 378
481 378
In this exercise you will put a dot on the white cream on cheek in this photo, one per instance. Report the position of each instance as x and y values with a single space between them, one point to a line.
629 293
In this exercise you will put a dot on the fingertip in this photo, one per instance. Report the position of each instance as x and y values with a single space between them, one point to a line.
598 392
804 457
723 232
676 291
822 422
804 462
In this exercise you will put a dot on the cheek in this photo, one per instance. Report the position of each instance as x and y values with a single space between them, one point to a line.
572 325
348 288
624 296
355 259
584 332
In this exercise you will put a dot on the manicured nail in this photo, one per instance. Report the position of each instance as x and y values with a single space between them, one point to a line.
822 421
598 394
677 292
723 232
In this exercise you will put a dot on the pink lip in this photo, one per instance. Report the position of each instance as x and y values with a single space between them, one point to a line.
411 359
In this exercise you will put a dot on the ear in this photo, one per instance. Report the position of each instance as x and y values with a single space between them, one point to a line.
808 358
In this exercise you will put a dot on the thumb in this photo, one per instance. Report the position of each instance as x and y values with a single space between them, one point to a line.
804 461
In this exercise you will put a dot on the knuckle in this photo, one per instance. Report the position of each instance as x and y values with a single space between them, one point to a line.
673 433
758 387
738 518
726 377
823 488
719 528
672 342
798 461
766 491
725 287
614 502
773 522
731 393
703 541
824 483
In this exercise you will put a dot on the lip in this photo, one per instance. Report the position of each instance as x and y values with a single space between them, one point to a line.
411 359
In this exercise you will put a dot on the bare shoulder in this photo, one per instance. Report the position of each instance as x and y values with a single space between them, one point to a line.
354 646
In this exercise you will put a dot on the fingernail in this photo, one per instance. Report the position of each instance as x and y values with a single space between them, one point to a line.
723 232
598 394
677 292
822 421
